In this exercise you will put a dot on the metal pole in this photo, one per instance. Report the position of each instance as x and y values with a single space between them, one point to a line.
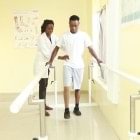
42 119
132 114
54 73
89 84
89 96
41 103
133 132
55 87
55 90
90 67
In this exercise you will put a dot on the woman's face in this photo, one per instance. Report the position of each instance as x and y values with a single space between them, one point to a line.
49 29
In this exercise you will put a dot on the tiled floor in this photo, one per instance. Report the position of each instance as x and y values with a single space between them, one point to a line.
25 125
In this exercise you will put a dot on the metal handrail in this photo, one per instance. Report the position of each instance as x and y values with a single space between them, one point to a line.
133 98
121 73
25 95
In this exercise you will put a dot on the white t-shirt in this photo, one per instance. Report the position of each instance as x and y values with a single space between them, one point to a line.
73 44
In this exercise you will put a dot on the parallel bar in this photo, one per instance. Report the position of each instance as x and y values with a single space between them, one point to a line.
23 96
55 92
133 98
133 132
41 103
42 119
55 86
132 115
122 74
89 91
136 96
90 83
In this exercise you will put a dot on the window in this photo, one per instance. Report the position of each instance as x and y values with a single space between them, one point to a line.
130 11
106 32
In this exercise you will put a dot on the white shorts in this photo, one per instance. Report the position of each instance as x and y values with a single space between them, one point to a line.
73 76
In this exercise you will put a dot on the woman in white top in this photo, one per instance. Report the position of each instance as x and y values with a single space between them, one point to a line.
46 43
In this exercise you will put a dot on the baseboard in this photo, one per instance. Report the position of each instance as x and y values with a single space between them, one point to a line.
6 97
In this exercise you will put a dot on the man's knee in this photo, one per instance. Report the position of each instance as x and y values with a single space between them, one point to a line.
77 90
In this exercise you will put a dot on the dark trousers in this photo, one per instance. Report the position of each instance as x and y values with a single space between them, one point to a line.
43 83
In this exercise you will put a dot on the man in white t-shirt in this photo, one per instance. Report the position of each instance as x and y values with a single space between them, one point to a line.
73 43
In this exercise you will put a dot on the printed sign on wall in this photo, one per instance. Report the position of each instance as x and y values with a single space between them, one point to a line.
26 28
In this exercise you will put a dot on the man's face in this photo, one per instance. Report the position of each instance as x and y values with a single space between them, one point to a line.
74 25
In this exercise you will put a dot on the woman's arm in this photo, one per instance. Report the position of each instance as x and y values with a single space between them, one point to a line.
53 55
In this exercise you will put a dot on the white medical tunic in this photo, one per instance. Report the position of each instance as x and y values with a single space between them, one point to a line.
44 51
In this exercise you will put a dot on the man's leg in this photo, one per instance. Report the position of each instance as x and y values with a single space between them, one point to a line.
77 81
77 96
67 83
66 96
77 100
66 102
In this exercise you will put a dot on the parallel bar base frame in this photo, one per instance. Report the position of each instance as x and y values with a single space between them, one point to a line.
39 138
132 135
41 104
81 105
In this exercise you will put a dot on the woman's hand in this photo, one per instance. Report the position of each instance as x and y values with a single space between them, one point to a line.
48 63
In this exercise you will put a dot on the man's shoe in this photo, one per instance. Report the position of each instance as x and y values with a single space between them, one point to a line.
77 112
67 114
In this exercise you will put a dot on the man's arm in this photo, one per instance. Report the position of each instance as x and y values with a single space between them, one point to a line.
92 52
54 53
65 57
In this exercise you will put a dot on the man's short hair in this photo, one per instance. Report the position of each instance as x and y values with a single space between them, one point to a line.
74 17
